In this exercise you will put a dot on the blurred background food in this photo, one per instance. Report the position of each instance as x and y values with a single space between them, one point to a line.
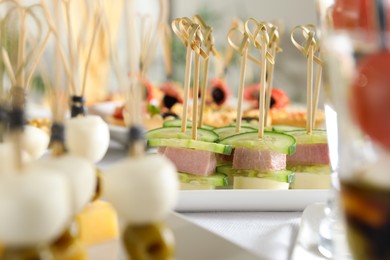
290 72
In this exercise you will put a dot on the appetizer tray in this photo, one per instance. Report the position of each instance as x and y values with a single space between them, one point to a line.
204 244
248 200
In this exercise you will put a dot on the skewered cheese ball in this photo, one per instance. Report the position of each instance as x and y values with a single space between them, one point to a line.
7 159
35 208
87 137
34 143
142 189
79 173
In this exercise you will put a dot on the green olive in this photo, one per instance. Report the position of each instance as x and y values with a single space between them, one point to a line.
68 246
153 241
26 253
99 185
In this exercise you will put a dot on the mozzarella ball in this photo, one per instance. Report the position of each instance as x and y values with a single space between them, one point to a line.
34 208
87 137
34 143
143 189
79 173
8 159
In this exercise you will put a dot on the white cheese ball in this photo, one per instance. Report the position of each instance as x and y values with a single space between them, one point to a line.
87 137
34 208
34 142
143 190
80 174
8 159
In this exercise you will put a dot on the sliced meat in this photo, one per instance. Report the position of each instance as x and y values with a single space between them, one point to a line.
191 161
262 160
310 154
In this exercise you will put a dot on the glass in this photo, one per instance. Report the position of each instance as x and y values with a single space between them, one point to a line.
357 76
332 242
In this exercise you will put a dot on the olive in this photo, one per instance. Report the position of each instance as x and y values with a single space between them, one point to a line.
26 253
152 241
68 246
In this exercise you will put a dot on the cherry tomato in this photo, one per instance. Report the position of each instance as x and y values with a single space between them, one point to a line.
118 112
370 97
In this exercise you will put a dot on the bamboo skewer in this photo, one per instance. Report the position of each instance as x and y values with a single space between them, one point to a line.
195 95
263 87
187 78
209 43
203 90
8 66
241 89
92 44
309 117
308 49
274 41
17 74
317 88
242 48
260 39
186 30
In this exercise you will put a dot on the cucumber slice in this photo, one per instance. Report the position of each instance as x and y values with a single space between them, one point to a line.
175 132
227 131
316 169
282 175
318 136
277 142
246 124
285 128
192 144
217 179
177 122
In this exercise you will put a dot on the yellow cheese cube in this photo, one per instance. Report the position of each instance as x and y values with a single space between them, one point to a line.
98 223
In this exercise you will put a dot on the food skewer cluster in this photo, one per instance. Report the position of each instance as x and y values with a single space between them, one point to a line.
236 155
311 161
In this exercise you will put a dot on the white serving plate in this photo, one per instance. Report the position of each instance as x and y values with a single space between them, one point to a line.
192 243
249 200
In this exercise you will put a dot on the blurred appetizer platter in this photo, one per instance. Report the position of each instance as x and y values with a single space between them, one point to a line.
181 141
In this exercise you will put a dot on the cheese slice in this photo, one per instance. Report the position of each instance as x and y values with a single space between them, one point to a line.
98 223
241 182
305 180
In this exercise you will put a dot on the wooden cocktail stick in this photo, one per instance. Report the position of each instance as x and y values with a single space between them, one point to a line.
186 31
309 96
195 95
308 49
242 47
209 43
274 42
263 87
317 88
260 39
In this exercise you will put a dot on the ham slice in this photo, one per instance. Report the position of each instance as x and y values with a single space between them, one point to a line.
310 154
191 161
262 160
